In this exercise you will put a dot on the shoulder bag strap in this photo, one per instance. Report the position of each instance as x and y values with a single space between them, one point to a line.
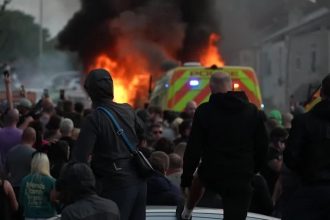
119 131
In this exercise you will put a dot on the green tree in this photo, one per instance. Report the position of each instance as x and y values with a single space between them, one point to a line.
19 36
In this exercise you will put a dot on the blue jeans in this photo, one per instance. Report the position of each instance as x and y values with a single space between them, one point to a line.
131 201
308 203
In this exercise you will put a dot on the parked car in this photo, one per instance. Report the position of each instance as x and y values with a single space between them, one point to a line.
168 213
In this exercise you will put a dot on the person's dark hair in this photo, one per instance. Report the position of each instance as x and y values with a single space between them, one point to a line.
164 145
143 115
159 161
325 89
54 122
67 106
49 109
170 116
158 164
155 109
79 107
278 133
76 181
37 125
186 124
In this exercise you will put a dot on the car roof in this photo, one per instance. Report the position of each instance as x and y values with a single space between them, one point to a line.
168 213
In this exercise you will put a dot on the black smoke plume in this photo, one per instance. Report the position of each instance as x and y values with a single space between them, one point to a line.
160 30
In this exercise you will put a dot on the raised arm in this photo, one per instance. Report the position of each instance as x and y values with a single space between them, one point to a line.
11 195
9 94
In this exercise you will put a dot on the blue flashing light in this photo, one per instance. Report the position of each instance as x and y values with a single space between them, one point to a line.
194 82
167 85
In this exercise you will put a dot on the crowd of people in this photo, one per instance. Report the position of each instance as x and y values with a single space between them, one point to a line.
64 158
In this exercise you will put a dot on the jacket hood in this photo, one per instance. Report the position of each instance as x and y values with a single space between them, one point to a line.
99 85
322 110
230 102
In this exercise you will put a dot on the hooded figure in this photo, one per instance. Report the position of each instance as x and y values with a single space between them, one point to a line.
99 86
76 186
308 151
228 145
308 155
111 161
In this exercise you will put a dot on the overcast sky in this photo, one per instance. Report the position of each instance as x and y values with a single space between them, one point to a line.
56 12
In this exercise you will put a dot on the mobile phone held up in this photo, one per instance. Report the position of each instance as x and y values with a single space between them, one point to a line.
6 71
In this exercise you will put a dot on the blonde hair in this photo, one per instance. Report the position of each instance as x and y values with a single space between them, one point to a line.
40 164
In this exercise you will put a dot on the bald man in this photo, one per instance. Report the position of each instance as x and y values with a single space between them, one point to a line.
10 135
228 145
220 83
19 158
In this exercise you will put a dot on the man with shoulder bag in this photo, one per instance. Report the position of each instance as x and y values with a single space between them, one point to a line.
110 136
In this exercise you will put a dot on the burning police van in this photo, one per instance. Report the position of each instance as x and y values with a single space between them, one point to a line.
191 83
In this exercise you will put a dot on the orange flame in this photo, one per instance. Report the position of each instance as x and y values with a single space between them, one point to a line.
126 82
130 71
211 55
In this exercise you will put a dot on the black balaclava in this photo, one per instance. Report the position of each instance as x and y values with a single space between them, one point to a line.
99 86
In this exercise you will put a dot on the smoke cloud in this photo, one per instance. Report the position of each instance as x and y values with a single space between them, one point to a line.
160 31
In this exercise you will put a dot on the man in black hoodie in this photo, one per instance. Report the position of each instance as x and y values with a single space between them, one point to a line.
228 144
76 191
308 155
111 161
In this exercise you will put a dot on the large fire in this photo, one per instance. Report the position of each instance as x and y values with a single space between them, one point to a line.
211 55
126 82
131 76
